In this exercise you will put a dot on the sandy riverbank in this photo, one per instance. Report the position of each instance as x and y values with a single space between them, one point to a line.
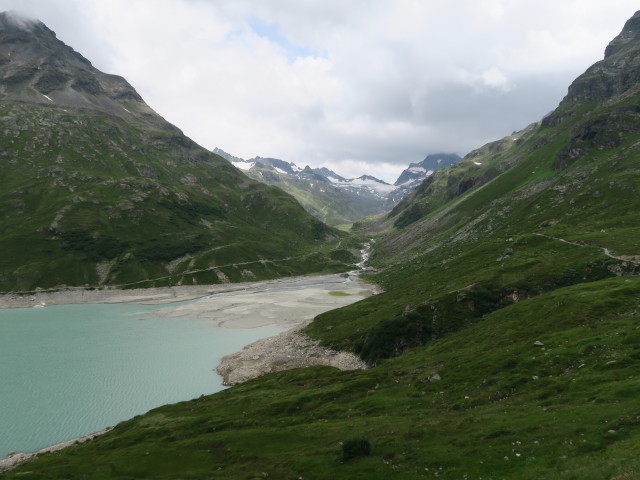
284 302
110 295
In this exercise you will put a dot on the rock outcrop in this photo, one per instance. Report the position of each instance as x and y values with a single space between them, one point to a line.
286 351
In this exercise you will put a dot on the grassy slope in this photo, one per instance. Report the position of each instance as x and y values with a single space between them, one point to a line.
503 408
142 201
501 241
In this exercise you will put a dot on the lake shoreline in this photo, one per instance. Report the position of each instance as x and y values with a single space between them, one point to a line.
284 351
15 459
288 302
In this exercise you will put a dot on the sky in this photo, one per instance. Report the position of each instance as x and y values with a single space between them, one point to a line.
358 86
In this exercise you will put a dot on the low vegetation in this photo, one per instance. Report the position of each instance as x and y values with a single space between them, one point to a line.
545 388
148 207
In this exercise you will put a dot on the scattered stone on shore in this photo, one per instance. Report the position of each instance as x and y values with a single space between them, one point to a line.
288 350
14 459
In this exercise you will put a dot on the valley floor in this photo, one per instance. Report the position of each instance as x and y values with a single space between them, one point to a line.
202 293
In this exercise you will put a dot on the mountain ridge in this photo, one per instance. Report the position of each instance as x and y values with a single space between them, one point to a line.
98 189
331 197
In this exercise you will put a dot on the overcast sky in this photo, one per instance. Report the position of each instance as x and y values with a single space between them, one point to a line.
359 86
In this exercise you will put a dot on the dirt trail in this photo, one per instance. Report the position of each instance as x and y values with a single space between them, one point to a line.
635 259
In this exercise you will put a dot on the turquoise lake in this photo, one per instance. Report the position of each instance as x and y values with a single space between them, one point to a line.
70 370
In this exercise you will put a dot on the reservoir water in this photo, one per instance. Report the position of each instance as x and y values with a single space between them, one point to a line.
70 370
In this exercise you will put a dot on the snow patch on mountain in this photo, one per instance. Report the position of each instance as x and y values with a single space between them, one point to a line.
372 184
244 165
364 190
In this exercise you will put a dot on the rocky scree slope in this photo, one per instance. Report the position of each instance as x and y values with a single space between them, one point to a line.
97 189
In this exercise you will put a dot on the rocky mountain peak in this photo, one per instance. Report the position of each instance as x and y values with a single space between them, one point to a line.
416 172
617 75
372 179
37 67
629 32
13 22
30 40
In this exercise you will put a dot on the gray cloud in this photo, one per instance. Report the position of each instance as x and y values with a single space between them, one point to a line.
361 86
21 21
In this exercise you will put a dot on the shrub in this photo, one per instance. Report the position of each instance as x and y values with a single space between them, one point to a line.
96 248
391 338
355 447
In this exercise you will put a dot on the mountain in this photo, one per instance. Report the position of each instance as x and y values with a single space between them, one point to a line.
328 196
98 189
413 176
506 343
333 198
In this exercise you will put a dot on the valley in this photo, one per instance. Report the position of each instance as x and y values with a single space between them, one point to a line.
503 340
333 199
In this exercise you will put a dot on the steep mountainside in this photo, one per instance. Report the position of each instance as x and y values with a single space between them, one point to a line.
551 206
97 188
477 168
333 198
506 344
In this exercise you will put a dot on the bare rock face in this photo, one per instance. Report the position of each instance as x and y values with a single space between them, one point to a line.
37 67
628 34
617 74
286 351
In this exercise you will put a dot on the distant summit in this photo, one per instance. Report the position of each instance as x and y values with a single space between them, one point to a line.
420 171
333 198
322 192
416 173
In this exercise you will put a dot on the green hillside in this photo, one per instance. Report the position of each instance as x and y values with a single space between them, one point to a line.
503 408
97 189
